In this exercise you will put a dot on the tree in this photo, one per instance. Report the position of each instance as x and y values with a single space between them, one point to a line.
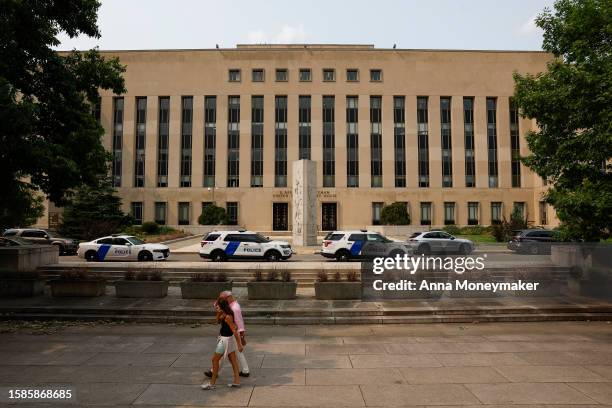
93 211
212 215
395 214
49 140
572 105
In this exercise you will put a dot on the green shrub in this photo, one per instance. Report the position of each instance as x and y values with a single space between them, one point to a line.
452 229
212 215
472 230
395 214
149 227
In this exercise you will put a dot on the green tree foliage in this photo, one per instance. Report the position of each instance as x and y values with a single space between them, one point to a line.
212 215
503 231
49 140
572 105
395 214
93 211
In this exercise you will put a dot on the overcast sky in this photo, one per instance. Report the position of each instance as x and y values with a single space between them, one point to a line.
442 24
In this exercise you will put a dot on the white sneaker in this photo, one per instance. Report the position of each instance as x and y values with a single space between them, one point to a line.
232 385
207 386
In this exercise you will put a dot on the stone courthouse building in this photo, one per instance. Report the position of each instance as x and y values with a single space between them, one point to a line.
435 129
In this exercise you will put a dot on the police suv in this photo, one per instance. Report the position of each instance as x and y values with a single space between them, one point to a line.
221 245
122 248
362 244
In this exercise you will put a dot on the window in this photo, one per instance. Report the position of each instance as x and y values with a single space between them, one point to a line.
543 213
329 75
162 141
329 142
305 75
449 213
206 204
445 131
210 140
518 208
357 237
117 140
136 212
515 149
352 75
468 134
376 212
492 141
376 170
425 213
234 75
496 212
257 75
280 141
352 141
399 140
423 141
233 142
184 213
257 118
186 140
160 213
304 127
282 75
472 213
232 213
140 141
375 75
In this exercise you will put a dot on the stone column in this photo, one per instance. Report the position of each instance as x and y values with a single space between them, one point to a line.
304 203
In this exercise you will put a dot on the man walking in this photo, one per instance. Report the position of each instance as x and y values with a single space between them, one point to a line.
235 306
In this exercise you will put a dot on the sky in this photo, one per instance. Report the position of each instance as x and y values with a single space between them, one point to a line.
425 24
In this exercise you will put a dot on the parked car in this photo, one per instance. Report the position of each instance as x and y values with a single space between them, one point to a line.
439 242
223 245
533 241
67 246
13 241
122 248
360 244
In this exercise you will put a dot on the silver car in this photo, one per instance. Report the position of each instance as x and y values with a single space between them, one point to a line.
439 242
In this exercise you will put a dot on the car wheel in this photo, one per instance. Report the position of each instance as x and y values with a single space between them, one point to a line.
218 256
342 255
272 256
145 256
424 249
91 256
534 250
464 249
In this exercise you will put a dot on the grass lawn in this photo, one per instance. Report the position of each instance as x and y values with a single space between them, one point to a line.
481 239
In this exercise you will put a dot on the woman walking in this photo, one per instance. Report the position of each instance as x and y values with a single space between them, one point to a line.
228 343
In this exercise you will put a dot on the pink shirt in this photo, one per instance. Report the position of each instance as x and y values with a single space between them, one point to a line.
237 315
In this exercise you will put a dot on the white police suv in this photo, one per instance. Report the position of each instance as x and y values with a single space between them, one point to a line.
361 244
122 248
223 245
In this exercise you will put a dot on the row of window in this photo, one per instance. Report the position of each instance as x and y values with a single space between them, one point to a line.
160 215
304 75
304 114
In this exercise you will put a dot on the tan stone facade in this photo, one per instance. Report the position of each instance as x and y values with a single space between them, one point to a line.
434 74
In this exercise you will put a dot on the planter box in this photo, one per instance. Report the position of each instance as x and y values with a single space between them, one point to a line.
203 290
271 290
141 289
14 287
337 290
83 288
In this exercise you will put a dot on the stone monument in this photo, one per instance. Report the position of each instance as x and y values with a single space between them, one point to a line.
304 203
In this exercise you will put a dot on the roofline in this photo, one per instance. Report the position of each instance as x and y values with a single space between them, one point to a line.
323 49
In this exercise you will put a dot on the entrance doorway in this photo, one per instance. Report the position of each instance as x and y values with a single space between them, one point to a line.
329 215
280 216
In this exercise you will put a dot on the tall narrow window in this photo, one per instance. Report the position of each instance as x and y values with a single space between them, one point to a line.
496 212
233 142
376 213
445 132
376 170
468 134
352 141
257 118
399 140
492 141
304 127
136 212
518 208
515 151
329 142
162 141
449 213
423 141
232 213
184 213
186 140
117 140
139 141
473 213
210 140
280 141
543 213
160 213
425 213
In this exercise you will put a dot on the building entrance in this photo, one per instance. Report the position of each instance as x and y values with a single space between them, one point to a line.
329 216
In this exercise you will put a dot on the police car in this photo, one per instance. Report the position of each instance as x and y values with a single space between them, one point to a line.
122 248
222 245
361 244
